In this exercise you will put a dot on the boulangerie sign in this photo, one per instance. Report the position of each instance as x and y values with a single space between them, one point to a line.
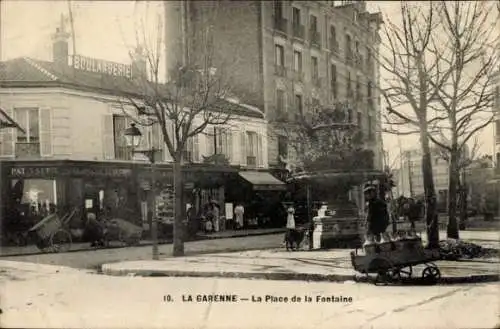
101 66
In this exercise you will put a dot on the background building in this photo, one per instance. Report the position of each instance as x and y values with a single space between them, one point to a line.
72 153
284 55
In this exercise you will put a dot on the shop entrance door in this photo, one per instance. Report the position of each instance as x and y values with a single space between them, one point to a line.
92 202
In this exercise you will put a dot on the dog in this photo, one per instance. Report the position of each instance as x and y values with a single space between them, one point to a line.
294 238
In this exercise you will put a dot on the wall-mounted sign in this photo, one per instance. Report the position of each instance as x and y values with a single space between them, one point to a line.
43 172
102 66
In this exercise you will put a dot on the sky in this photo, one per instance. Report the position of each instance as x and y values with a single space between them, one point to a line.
107 30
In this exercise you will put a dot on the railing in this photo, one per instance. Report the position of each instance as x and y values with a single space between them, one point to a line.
280 70
298 75
298 31
359 62
27 149
334 88
281 25
316 81
315 38
349 58
334 46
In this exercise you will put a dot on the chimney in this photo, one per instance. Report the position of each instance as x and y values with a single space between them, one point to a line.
60 46
139 66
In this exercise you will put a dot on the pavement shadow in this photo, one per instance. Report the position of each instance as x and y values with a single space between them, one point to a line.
473 279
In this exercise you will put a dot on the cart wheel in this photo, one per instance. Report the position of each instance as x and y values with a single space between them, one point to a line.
393 275
405 272
60 241
431 274
384 270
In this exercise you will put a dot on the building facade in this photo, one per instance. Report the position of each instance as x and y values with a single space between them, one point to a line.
72 152
286 55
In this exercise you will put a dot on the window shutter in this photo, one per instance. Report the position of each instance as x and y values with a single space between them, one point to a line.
7 138
156 141
170 133
145 140
196 148
260 153
45 116
210 141
243 151
229 141
108 143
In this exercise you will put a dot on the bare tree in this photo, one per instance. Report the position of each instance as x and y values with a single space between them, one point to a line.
466 98
463 160
193 99
410 60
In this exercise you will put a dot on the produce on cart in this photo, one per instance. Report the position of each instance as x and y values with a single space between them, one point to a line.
393 259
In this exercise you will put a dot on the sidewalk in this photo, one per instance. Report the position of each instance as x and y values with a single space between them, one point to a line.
332 265
83 246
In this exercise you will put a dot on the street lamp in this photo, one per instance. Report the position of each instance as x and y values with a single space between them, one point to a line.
133 138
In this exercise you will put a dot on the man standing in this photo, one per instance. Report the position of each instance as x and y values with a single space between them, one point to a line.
377 217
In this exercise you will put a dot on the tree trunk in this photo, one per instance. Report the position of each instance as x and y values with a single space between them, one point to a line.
463 202
431 217
454 178
178 248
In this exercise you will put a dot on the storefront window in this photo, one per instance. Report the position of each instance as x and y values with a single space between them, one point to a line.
35 197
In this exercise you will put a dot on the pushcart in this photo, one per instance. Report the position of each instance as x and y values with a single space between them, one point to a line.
52 234
393 262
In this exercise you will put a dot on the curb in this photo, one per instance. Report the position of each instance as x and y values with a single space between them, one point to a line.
107 270
146 244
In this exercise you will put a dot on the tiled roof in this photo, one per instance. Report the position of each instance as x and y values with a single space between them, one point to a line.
27 72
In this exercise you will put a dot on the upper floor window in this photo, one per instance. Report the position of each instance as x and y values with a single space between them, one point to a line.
368 57
370 127
28 142
333 82
28 119
280 56
252 149
280 101
314 23
348 84
120 123
223 141
278 9
298 103
282 147
314 67
358 89
296 21
348 47
297 61
333 33
369 89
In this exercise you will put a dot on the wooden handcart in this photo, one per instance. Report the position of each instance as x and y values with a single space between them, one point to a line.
393 262
52 233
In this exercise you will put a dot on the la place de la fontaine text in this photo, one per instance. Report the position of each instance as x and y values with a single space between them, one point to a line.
231 298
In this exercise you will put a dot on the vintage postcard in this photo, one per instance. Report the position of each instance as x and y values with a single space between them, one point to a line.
249 164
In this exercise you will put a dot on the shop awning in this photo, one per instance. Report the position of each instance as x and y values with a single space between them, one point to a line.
263 181
7 122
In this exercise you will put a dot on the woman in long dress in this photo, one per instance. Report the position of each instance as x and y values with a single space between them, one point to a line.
239 211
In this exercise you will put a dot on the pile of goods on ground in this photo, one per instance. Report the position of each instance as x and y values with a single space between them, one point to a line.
452 249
